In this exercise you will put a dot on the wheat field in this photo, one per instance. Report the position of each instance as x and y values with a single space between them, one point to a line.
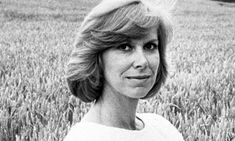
36 38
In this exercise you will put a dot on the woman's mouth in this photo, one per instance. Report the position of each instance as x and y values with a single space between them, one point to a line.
139 77
139 80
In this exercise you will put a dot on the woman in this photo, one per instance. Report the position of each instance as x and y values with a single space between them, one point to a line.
119 58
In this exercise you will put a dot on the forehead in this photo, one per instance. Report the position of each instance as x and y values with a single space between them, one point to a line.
151 34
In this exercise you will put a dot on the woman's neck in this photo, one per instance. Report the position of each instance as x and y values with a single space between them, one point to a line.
114 109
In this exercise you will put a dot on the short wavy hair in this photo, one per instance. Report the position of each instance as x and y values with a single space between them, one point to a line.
85 69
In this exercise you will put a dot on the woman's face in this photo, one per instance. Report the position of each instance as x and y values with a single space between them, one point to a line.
131 69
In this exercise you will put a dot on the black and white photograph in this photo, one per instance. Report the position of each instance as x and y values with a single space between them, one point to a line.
117 70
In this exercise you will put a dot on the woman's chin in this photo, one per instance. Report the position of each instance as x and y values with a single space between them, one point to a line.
136 93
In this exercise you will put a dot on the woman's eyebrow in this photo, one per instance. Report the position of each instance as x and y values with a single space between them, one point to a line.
151 41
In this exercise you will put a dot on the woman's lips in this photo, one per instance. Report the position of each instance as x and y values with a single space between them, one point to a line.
139 77
138 80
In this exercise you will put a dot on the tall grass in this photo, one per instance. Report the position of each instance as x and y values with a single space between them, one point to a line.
36 38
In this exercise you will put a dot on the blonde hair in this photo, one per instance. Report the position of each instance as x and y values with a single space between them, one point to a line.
85 69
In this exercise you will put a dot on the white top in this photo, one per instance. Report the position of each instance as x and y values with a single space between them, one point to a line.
156 128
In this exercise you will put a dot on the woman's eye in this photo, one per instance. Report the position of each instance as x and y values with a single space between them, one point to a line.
151 46
125 47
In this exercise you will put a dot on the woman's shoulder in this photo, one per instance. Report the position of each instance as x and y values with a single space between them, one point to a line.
82 131
89 131
153 117
162 125
75 132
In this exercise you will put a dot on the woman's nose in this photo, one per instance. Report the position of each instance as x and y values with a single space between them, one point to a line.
140 59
